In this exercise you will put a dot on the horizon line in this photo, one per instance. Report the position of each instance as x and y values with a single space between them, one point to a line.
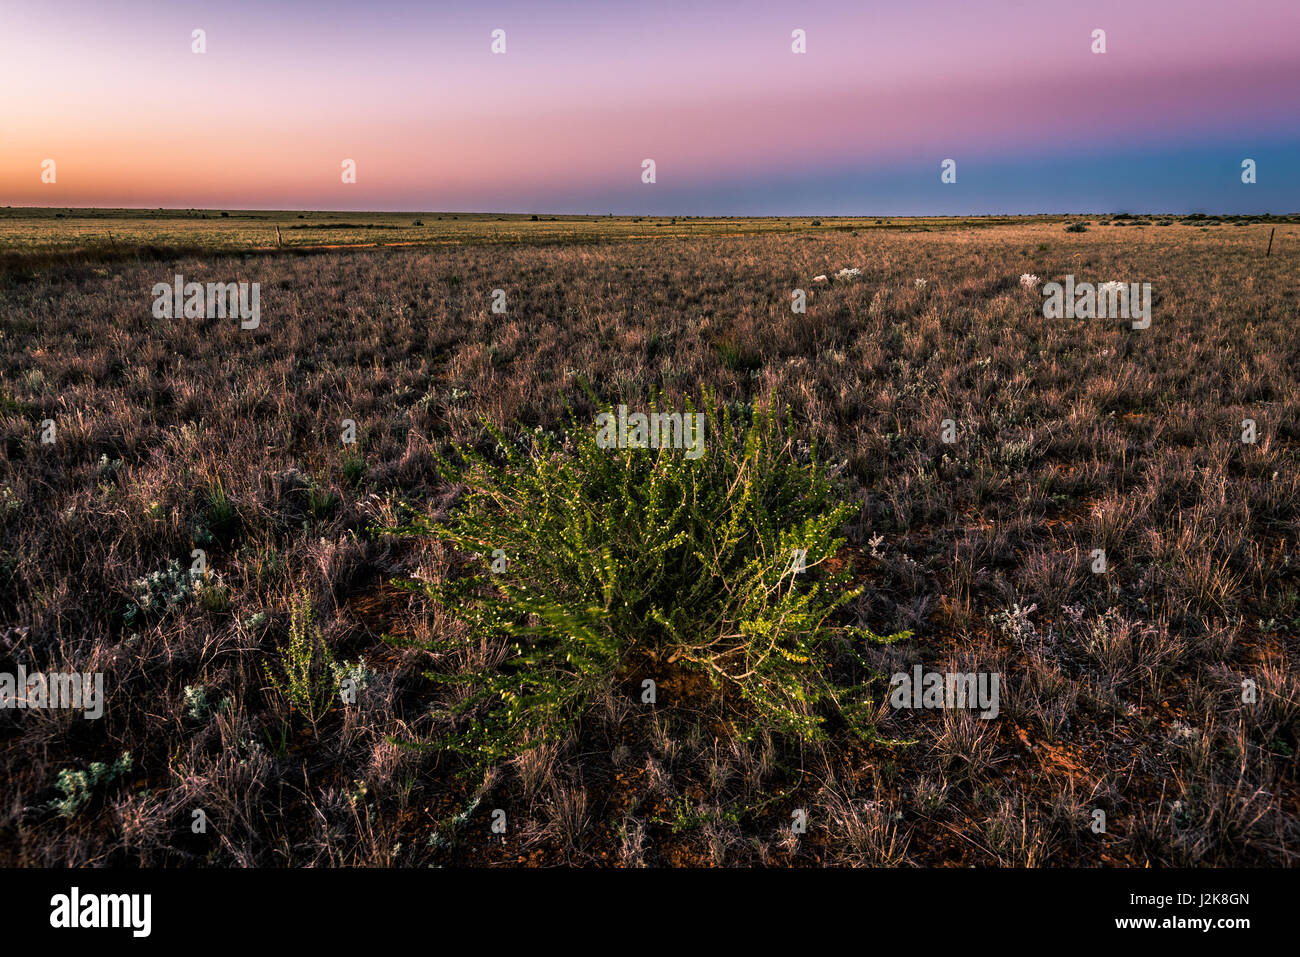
607 215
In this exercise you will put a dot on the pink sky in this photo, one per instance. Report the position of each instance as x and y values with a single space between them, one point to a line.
112 92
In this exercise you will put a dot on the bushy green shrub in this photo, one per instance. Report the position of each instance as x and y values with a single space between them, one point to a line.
593 562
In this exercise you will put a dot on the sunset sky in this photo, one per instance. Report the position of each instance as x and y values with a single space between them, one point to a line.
736 122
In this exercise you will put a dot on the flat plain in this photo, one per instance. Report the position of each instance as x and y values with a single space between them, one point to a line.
1161 692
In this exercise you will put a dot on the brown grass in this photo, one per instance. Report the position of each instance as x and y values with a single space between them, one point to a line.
1122 691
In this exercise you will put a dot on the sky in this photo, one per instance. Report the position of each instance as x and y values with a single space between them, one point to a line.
586 90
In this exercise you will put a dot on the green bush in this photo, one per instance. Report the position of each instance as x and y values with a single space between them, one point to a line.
593 565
